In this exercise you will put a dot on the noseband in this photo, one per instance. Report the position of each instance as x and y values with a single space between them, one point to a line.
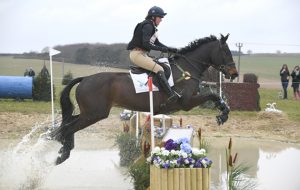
224 67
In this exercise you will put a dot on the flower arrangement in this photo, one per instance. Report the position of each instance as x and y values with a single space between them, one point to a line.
179 154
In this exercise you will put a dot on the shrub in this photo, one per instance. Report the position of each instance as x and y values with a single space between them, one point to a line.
42 86
140 173
128 149
67 78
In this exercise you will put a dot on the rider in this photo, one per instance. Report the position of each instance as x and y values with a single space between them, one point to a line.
145 39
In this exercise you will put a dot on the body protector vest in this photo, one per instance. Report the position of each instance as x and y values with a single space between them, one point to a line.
145 37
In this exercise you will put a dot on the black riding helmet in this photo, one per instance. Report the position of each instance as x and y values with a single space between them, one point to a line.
156 12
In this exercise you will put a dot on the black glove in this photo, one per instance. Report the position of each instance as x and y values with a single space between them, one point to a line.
173 50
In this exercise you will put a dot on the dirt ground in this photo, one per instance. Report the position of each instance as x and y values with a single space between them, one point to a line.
265 126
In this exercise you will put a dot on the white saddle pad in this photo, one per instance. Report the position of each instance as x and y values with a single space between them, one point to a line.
140 80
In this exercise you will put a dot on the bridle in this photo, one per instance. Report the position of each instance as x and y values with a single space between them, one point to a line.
224 66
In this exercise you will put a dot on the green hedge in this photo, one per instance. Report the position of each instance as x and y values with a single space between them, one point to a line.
42 86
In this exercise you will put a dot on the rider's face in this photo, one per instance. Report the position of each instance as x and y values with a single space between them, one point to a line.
157 20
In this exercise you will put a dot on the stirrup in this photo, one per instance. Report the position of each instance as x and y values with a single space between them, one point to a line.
172 99
179 95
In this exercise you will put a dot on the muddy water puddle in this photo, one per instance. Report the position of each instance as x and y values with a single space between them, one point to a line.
32 167
274 165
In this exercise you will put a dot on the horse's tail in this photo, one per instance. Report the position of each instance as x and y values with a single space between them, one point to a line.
66 105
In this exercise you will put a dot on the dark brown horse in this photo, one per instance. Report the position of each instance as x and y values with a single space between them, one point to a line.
97 94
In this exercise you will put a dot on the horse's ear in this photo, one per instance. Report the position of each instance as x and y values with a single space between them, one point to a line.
224 39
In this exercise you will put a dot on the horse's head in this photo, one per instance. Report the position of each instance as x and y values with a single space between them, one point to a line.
221 59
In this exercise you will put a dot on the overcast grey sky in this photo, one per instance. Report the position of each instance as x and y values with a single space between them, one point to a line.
261 25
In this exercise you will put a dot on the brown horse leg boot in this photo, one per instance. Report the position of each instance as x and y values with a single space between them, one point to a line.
166 87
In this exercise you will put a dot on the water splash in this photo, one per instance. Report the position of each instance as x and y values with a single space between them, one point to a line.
27 165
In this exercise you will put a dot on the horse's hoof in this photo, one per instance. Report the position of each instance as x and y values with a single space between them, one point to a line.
219 120
59 160
64 154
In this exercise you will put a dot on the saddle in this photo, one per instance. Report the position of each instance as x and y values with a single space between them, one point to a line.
139 70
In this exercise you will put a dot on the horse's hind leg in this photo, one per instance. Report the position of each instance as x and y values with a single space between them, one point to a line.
65 150
68 134
90 114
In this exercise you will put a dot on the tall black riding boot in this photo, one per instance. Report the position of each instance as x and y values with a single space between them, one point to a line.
166 87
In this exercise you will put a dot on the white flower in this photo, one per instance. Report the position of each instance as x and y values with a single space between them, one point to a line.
204 163
184 155
165 153
203 151
173 162
156 150
186 161
149 159
198 152
173 152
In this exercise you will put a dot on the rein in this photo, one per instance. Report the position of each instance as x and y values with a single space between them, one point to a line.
185 74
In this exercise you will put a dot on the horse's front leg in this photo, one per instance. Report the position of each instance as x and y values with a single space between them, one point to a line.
199 99
222 106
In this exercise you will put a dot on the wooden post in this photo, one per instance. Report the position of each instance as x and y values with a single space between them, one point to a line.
205 181
176 179
171 179
187 174
182 179
164 179
199 179
194 179
158 178
152 178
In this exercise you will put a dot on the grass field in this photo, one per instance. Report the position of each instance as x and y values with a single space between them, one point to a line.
266 67
16 67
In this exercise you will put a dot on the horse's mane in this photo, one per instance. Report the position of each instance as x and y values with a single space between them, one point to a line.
196 43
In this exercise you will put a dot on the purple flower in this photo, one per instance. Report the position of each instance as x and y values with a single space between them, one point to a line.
171 145
203 163
208 161
198 163
183 140
166 165
156 159
188 161
186 147
180 161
